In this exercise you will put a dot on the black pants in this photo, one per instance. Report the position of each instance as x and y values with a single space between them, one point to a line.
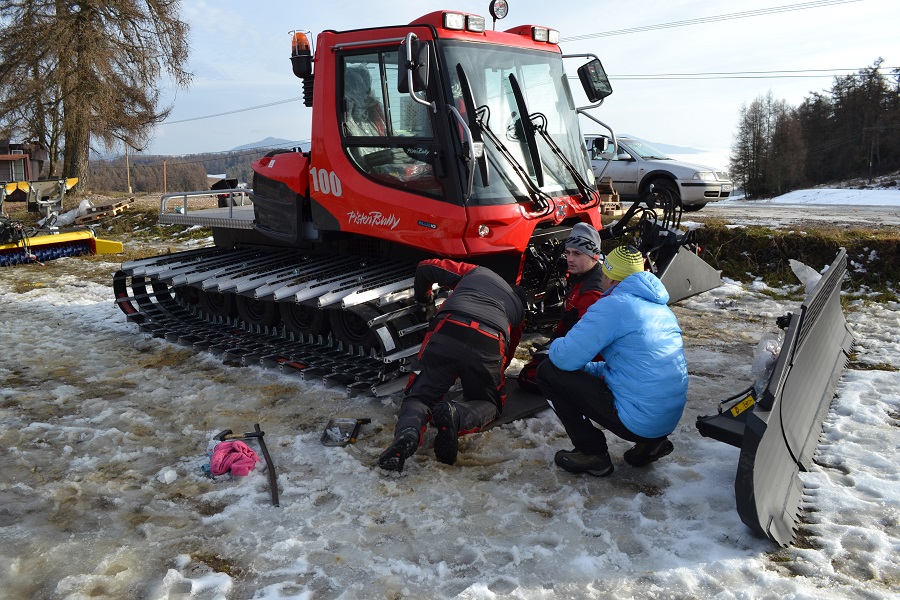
446 354
577 396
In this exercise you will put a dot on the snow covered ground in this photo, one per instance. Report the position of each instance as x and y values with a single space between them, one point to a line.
103 436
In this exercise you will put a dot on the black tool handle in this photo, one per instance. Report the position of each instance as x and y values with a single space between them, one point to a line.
273 478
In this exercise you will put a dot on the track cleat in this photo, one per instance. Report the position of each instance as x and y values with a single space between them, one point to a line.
574 461
446 443
404 445
644 453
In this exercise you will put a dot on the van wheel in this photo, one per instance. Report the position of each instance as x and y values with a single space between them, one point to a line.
693 207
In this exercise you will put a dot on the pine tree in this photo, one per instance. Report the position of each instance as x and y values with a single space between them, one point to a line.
86 72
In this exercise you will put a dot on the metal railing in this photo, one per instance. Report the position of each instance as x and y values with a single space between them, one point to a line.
244 196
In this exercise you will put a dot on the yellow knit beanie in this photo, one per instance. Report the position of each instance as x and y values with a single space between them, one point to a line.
622 261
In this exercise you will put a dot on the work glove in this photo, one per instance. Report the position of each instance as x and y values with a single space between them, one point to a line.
428 309
541 347
527 377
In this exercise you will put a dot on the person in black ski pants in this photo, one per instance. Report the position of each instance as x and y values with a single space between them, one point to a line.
474 337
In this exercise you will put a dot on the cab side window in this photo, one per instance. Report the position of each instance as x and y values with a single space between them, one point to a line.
388 136
363 110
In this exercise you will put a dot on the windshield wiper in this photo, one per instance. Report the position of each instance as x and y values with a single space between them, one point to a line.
538 122
588 193
527 128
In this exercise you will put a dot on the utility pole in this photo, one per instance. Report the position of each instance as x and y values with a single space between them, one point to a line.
871 156
127 168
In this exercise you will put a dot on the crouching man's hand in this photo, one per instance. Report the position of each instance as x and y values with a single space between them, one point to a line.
428 309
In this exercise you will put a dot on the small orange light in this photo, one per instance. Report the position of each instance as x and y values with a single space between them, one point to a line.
300 44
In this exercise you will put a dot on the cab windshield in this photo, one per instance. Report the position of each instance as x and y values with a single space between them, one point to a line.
547 96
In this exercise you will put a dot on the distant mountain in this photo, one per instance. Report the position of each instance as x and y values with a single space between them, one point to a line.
670 149
269 142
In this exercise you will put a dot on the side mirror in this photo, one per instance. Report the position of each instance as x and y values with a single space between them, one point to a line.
594 80
413 57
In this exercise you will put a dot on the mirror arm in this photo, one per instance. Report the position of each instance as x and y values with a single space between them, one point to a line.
409 73
615 143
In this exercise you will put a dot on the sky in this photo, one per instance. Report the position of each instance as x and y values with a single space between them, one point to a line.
240 60
104 434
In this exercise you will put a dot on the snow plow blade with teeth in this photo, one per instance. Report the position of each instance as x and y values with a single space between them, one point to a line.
41 248
778 432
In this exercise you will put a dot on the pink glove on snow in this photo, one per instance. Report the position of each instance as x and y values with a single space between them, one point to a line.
234 456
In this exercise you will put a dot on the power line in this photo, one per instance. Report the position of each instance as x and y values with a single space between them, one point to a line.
803 73
232 112
713 19
632 77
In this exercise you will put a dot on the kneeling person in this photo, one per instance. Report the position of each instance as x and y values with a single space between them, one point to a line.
473 337
583 288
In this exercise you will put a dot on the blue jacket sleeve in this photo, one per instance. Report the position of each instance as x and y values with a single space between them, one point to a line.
593 332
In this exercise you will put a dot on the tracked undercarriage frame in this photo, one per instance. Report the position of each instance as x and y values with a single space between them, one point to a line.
187 298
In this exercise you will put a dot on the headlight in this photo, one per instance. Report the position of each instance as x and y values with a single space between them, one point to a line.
705 176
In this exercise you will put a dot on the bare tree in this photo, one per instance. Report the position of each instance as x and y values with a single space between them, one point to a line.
87 71
750 147
787 150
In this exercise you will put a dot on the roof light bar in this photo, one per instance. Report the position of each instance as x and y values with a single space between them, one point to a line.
461 21
545 34
475 24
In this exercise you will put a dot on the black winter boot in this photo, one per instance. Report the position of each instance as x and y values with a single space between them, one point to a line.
446 443
647 452
574 461
404 445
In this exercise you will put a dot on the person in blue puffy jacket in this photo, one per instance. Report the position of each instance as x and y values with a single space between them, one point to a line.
639 390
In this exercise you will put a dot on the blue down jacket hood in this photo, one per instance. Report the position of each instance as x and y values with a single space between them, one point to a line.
643 353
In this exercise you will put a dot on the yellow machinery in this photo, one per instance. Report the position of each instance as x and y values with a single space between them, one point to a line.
41 248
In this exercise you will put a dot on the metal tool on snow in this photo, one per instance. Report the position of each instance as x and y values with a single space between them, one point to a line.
342 431
259 435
